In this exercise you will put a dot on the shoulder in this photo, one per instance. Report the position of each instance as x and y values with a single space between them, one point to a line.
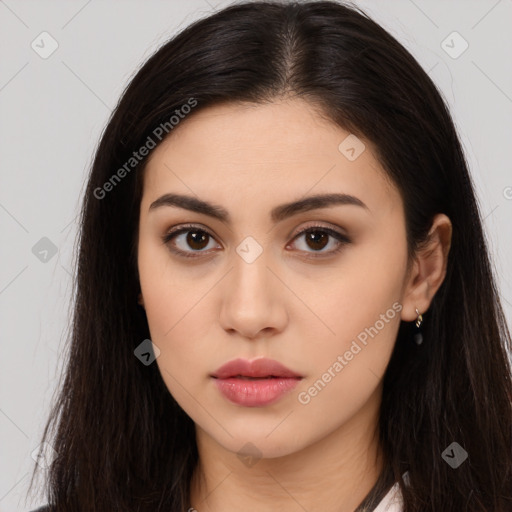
46 508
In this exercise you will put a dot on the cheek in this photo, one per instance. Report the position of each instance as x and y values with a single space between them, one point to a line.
360 303
164 286
163 299
346 369
175 326
173 297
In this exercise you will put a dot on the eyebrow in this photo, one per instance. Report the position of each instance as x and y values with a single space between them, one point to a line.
277 214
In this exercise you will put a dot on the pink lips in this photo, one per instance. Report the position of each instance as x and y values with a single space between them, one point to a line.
254 383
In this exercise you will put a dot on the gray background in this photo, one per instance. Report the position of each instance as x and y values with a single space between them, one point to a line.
52 113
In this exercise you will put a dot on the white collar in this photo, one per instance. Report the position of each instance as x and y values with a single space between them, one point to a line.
392 501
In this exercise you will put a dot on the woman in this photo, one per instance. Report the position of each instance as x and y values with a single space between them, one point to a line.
284 295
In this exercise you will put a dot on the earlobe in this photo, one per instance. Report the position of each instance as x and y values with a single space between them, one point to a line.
429 269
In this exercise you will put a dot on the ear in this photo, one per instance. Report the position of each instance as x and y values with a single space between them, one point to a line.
428 269
140 300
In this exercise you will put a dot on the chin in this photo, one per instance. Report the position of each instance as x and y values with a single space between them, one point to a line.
257 443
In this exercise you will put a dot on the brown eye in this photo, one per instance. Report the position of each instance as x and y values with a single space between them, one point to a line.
317 238
188 240
196 239
192 241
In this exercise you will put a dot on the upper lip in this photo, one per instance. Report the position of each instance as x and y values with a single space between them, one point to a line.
261 367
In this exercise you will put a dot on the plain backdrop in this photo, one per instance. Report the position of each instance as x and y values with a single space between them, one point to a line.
52 113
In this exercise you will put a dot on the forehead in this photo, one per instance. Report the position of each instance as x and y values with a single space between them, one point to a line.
247 154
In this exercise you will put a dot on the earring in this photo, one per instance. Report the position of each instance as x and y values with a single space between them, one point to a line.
418 335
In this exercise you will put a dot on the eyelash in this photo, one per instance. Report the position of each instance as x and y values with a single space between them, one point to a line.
341 238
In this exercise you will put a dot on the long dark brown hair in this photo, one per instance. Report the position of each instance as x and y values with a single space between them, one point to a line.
122 441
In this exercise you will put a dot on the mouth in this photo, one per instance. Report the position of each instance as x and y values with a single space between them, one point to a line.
261 368
245 377
255 383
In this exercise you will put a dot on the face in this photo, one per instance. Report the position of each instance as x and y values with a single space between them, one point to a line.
317 288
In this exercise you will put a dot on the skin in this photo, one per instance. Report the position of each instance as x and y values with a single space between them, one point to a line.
323 455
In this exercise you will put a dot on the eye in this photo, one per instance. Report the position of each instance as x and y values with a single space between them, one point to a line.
317 238
198 239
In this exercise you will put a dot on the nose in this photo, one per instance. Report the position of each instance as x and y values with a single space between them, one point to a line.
253 300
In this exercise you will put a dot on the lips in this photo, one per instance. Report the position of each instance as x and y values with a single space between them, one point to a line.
255 383
255 369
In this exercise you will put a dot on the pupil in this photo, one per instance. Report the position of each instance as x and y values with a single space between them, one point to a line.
193 238
314 237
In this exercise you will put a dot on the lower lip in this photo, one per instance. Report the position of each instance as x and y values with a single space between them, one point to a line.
255 393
